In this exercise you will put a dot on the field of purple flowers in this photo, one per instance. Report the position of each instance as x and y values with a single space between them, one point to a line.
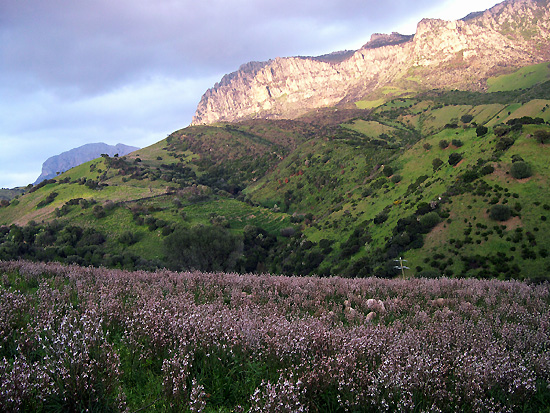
88 339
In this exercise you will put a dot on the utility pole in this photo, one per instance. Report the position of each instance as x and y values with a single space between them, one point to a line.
401 266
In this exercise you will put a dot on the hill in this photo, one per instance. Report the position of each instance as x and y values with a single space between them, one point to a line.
74 157
453 181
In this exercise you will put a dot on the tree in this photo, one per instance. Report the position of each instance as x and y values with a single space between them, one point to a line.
500 212
466 118
436 163
520 170
455 158
481 130
542 136
204 248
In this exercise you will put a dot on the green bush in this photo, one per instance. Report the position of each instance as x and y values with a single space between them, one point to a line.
436 163
481 130
455 158
457 142
520 170
466 118
542 136
500 212
430 220
443 143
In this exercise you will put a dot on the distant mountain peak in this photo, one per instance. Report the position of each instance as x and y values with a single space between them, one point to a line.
77 156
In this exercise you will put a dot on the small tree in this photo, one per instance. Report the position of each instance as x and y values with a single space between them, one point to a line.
443 143
542 136
436 163
481 130
500 212
466 118
455 158
520 170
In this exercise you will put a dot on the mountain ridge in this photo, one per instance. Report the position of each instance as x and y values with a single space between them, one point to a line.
447 54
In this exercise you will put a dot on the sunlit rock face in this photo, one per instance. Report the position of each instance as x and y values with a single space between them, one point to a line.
442 54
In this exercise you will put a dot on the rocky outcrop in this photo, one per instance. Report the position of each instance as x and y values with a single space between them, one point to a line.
67 160
452 54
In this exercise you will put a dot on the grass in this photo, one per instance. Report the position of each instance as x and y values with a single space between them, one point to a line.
521 79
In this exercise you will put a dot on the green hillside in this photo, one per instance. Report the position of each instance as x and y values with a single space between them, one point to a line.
455 182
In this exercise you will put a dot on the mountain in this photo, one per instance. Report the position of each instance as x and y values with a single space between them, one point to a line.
452 180
459 54
74 157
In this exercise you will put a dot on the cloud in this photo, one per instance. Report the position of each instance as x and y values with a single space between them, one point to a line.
130 71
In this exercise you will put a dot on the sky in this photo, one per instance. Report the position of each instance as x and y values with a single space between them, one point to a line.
133 71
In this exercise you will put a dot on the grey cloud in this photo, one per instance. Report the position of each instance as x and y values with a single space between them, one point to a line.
131 71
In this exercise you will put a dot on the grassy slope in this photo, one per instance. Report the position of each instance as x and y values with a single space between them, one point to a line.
334 174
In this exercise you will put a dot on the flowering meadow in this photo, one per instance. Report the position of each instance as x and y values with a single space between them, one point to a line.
87 339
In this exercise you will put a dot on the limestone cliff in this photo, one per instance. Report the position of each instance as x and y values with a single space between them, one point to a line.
442 54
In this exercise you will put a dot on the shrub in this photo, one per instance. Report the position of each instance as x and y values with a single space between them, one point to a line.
455 158
500 212
466 118
457 142
501 130
381 218
504 143
443 143
430 220
127 238
427 146
481 130
436 163
98 211
542 136
396 179
520 170
388 170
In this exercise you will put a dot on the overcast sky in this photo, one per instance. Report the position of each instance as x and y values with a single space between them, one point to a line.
132 71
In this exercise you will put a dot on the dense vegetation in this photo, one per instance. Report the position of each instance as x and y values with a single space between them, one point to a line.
75 339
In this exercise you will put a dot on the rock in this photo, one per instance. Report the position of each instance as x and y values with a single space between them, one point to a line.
444 54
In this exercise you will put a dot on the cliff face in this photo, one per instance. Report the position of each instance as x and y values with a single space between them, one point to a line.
452 54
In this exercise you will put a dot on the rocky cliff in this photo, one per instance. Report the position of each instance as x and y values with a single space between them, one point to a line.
67 160
442 54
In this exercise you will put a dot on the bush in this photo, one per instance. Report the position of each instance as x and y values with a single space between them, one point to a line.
520 170
466 118
500 212
396 178
481 130
430 220
443 143
457 142
455 158
427 146
436 163
501 130
127 238
542 136
388 170
504 143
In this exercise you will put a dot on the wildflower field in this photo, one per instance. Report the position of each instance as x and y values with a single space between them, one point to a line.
88 339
